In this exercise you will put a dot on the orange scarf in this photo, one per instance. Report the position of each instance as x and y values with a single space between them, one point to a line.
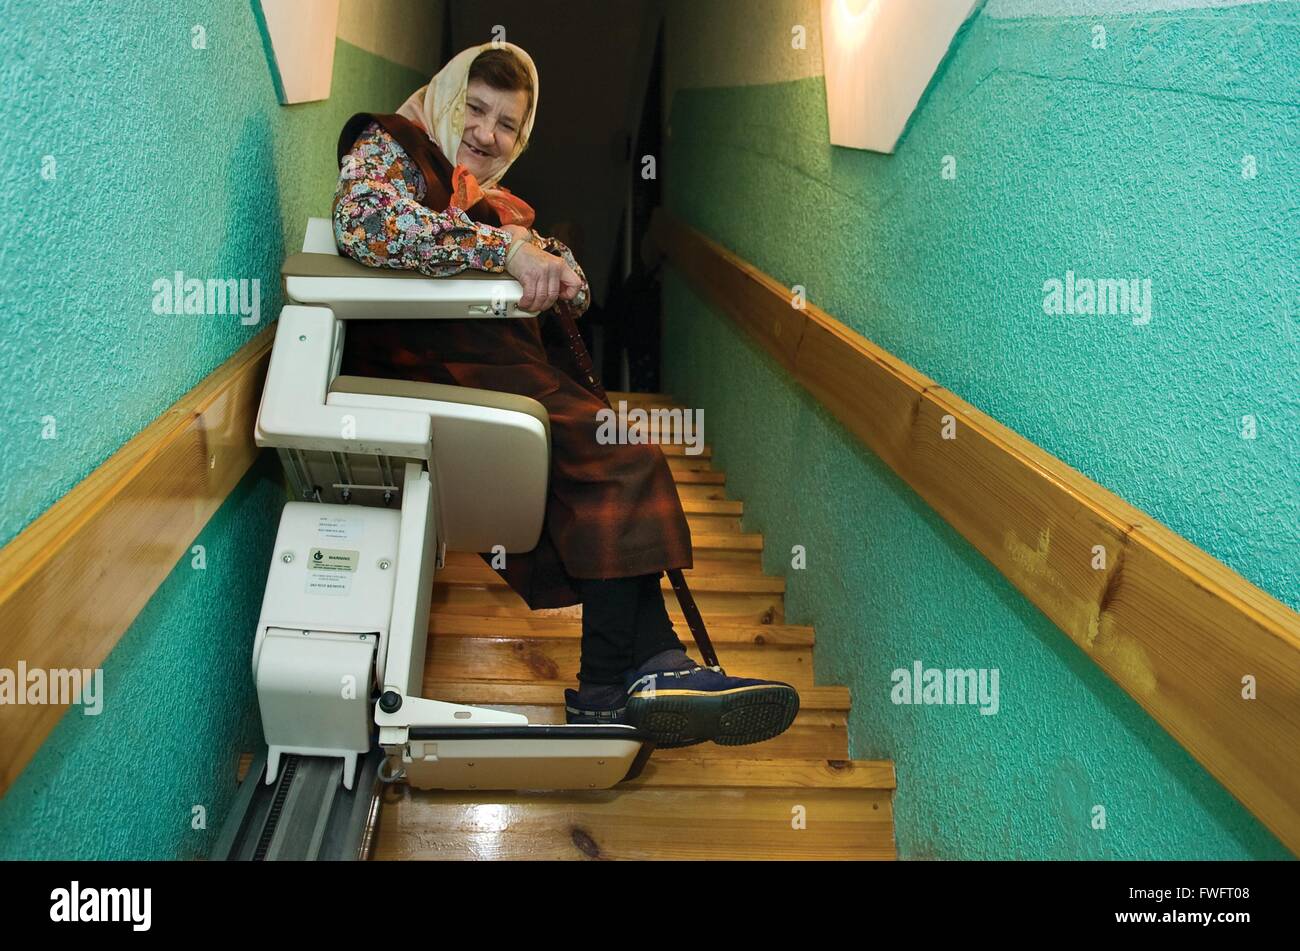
465 193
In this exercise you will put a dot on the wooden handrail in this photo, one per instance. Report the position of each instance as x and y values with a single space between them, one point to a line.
1176 629
74 580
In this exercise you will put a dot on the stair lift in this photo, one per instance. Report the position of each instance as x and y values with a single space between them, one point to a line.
391 475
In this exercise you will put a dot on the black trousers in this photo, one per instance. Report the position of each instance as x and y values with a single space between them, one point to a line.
624 624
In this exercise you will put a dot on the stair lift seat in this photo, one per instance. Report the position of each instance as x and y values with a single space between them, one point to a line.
390 475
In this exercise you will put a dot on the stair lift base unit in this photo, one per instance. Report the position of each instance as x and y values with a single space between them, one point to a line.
327 606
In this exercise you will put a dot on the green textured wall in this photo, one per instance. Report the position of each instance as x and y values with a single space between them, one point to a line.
1116 162
166 158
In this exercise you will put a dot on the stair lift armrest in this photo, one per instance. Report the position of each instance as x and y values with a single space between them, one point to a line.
320 275
294 413
357 292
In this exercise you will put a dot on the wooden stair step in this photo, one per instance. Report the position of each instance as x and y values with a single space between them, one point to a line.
454 657
774 636
726 606
713 507
719 562
698 477
672 450
713 524
716 543
679 465
712 516
706 564
770 773
779 774
465 647
714 551
636 822
686 490
727 543
741 582
752 597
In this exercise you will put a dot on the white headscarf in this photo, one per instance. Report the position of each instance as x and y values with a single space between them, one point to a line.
439 107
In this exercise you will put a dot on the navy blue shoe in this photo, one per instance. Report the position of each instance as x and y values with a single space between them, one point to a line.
578 711
686 707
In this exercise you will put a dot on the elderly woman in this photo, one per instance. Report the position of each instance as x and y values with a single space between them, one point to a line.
613 521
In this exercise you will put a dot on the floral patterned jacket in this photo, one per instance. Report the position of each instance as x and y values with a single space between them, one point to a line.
379 221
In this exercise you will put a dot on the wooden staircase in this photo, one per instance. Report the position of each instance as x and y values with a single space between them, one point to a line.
796 796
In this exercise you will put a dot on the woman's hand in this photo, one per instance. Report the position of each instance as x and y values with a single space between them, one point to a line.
545 277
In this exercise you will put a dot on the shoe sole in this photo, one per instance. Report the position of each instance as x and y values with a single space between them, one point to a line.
737 717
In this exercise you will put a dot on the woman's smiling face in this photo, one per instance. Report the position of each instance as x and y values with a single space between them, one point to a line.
493 120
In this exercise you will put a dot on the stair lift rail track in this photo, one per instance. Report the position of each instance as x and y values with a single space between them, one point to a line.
306 815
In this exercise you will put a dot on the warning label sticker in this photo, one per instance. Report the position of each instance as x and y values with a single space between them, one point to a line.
333 559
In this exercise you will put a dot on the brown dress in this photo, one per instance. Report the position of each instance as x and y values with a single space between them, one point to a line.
612 510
